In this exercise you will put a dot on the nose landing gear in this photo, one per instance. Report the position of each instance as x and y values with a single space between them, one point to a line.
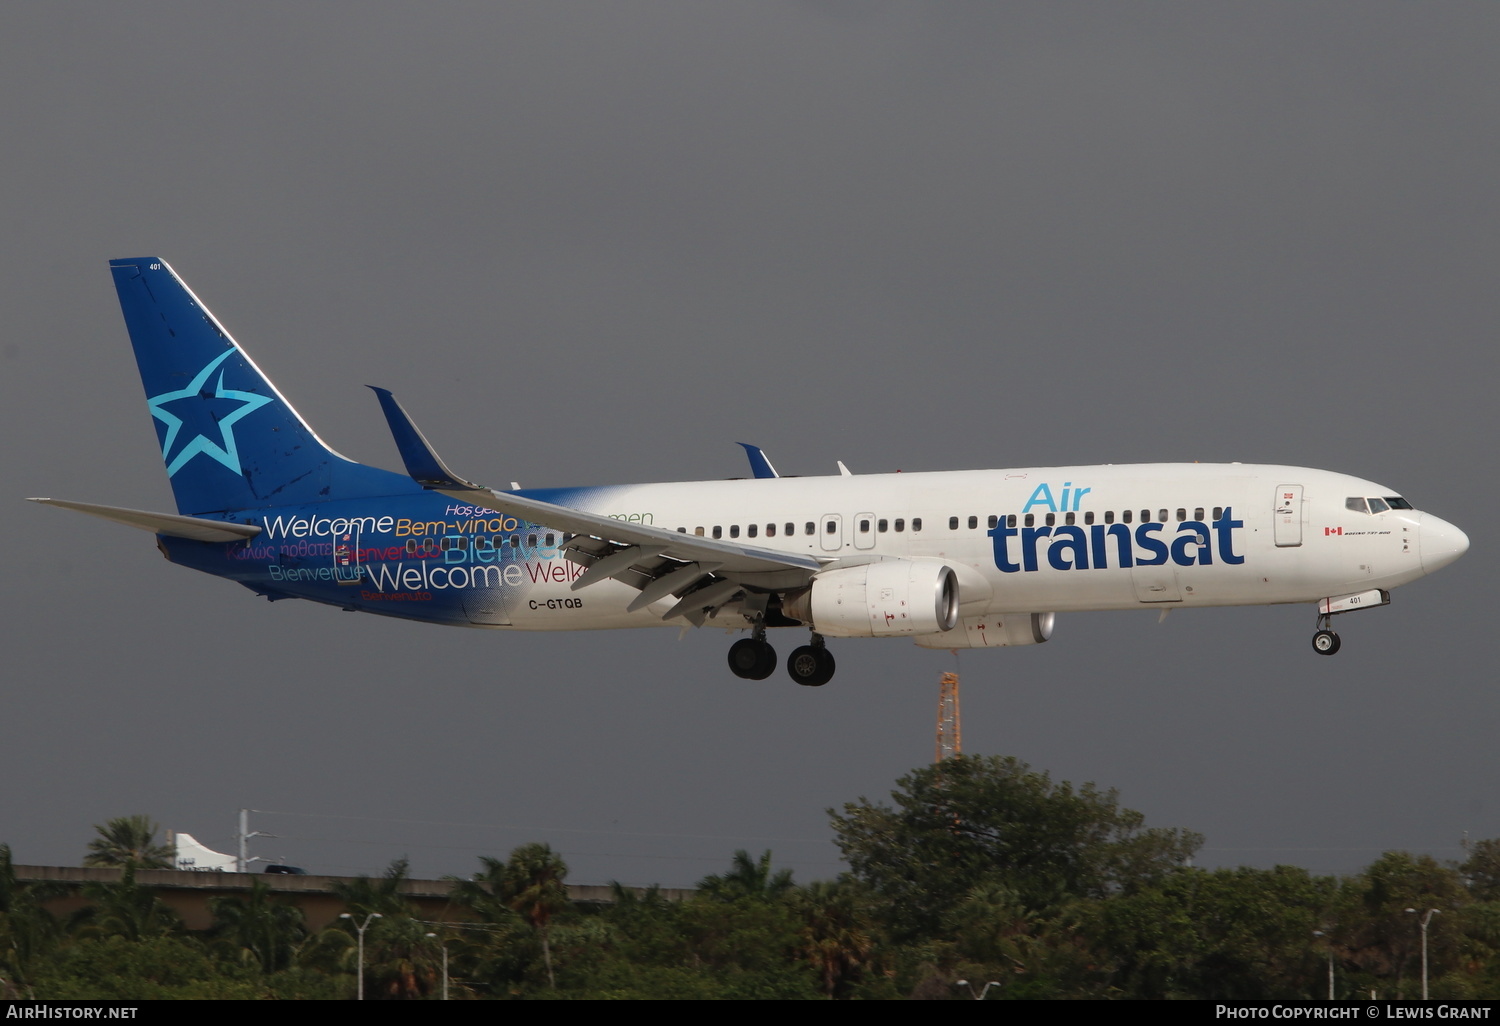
1325 641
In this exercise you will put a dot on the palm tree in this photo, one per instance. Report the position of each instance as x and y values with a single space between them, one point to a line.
124 909
27 930
128 841
534 890
747 879
259 927
835 936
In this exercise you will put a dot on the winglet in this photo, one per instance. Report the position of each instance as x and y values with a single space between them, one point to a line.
422 463
759 465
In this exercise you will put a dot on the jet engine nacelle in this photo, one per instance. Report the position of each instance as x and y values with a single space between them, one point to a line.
993 631
884 599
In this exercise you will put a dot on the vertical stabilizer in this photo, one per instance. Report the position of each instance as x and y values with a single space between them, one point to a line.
228 438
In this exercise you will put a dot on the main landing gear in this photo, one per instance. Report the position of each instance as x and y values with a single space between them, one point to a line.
753 658
811 665
1325 642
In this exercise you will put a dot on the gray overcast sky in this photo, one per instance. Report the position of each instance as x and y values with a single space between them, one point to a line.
602 242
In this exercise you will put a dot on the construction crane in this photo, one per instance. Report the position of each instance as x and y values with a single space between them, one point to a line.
949 738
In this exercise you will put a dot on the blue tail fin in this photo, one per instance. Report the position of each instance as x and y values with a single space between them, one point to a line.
228 438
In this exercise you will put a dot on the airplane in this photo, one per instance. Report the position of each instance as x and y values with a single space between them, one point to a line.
951 560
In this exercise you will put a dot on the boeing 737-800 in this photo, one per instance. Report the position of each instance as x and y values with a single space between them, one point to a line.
972 559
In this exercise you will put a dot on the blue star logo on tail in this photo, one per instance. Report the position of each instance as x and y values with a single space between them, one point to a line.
224 450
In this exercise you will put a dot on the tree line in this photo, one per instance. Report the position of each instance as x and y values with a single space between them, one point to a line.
979 876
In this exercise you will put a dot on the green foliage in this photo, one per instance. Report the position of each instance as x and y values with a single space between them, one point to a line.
149 969
1231 934
125 910
28 932
1382 941
258 928
747 879
975 820
981 871
128 841
517 900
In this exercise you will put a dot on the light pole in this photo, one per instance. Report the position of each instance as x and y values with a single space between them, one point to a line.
1426 918
982 993
361 929
445 966
1329 943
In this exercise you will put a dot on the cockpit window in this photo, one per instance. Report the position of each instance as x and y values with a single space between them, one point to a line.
1356 503
1378 506
1396 502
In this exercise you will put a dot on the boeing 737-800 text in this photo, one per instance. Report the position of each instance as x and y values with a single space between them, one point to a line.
972 559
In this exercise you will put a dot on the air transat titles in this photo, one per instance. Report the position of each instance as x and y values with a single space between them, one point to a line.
1070 547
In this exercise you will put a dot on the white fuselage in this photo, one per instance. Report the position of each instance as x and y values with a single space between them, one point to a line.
1044 539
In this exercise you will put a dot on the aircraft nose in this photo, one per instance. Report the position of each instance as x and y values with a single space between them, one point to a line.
1440 542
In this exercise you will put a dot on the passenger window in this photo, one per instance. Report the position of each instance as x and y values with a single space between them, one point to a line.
718 531
1127 516
1088 517
1163 518
1010 521
515 541
953 523
832 527
1218 512
531 541
682 530
770 531
550 540
1109 516
916 523
1181 515
993 521
900 524
864 527
881 526
698 531
752 530
1068 519
1031 520
791 529
411 546
811 529
734 530
1198 513
973 523
1051 519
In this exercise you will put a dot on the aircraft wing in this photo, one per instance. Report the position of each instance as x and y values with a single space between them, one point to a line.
706 574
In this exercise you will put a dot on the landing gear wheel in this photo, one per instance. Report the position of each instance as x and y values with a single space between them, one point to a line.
752 659
1326 643
811 665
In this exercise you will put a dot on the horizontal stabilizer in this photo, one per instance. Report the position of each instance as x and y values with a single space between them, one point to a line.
170 524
